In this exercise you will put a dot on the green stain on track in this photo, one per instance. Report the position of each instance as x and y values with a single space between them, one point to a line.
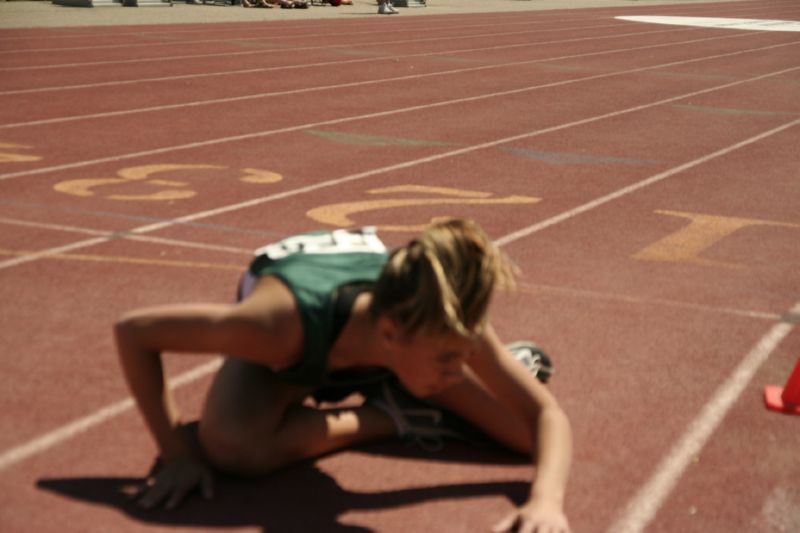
373 140
731 111
562 158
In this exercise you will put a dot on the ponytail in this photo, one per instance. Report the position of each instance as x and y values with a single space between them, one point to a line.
442 281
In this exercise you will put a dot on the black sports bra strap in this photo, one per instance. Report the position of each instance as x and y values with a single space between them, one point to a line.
344 298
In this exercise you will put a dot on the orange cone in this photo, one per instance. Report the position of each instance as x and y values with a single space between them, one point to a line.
786 399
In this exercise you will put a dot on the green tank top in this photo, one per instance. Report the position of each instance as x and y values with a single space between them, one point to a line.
314 266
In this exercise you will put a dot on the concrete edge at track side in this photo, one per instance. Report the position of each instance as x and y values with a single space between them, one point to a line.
45 14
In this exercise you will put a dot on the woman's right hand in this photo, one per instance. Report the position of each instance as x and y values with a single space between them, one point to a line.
174 481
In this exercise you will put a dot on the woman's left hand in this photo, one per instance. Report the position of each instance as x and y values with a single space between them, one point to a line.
535 517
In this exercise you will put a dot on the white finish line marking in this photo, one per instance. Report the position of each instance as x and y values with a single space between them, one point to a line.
725 23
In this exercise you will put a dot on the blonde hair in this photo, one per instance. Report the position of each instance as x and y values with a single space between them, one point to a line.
442 281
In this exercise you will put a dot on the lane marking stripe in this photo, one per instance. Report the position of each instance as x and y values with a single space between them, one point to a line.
535 288
279 40
624 191
354 177
339 62
340 86
650 497
125 235
328 47
422 107
74 428
531 288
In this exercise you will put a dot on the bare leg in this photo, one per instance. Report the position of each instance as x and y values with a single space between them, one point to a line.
253 423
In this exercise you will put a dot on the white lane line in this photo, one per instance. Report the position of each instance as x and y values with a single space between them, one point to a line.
181 36
22 259
76 427
56 227
525 231
340 86
534 288
339 62
416 162
125 235
328 47
624 191
280 39
644 505
425 107
652 495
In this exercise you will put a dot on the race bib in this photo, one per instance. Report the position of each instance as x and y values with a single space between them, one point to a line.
340 241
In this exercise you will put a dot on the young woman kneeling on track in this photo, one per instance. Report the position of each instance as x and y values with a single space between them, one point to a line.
324 314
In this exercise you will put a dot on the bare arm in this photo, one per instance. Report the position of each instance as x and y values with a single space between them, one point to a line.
264 329
141 338
550 432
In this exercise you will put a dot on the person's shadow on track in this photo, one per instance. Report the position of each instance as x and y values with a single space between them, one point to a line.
300 498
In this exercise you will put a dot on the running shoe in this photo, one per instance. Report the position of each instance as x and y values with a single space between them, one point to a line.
535 360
